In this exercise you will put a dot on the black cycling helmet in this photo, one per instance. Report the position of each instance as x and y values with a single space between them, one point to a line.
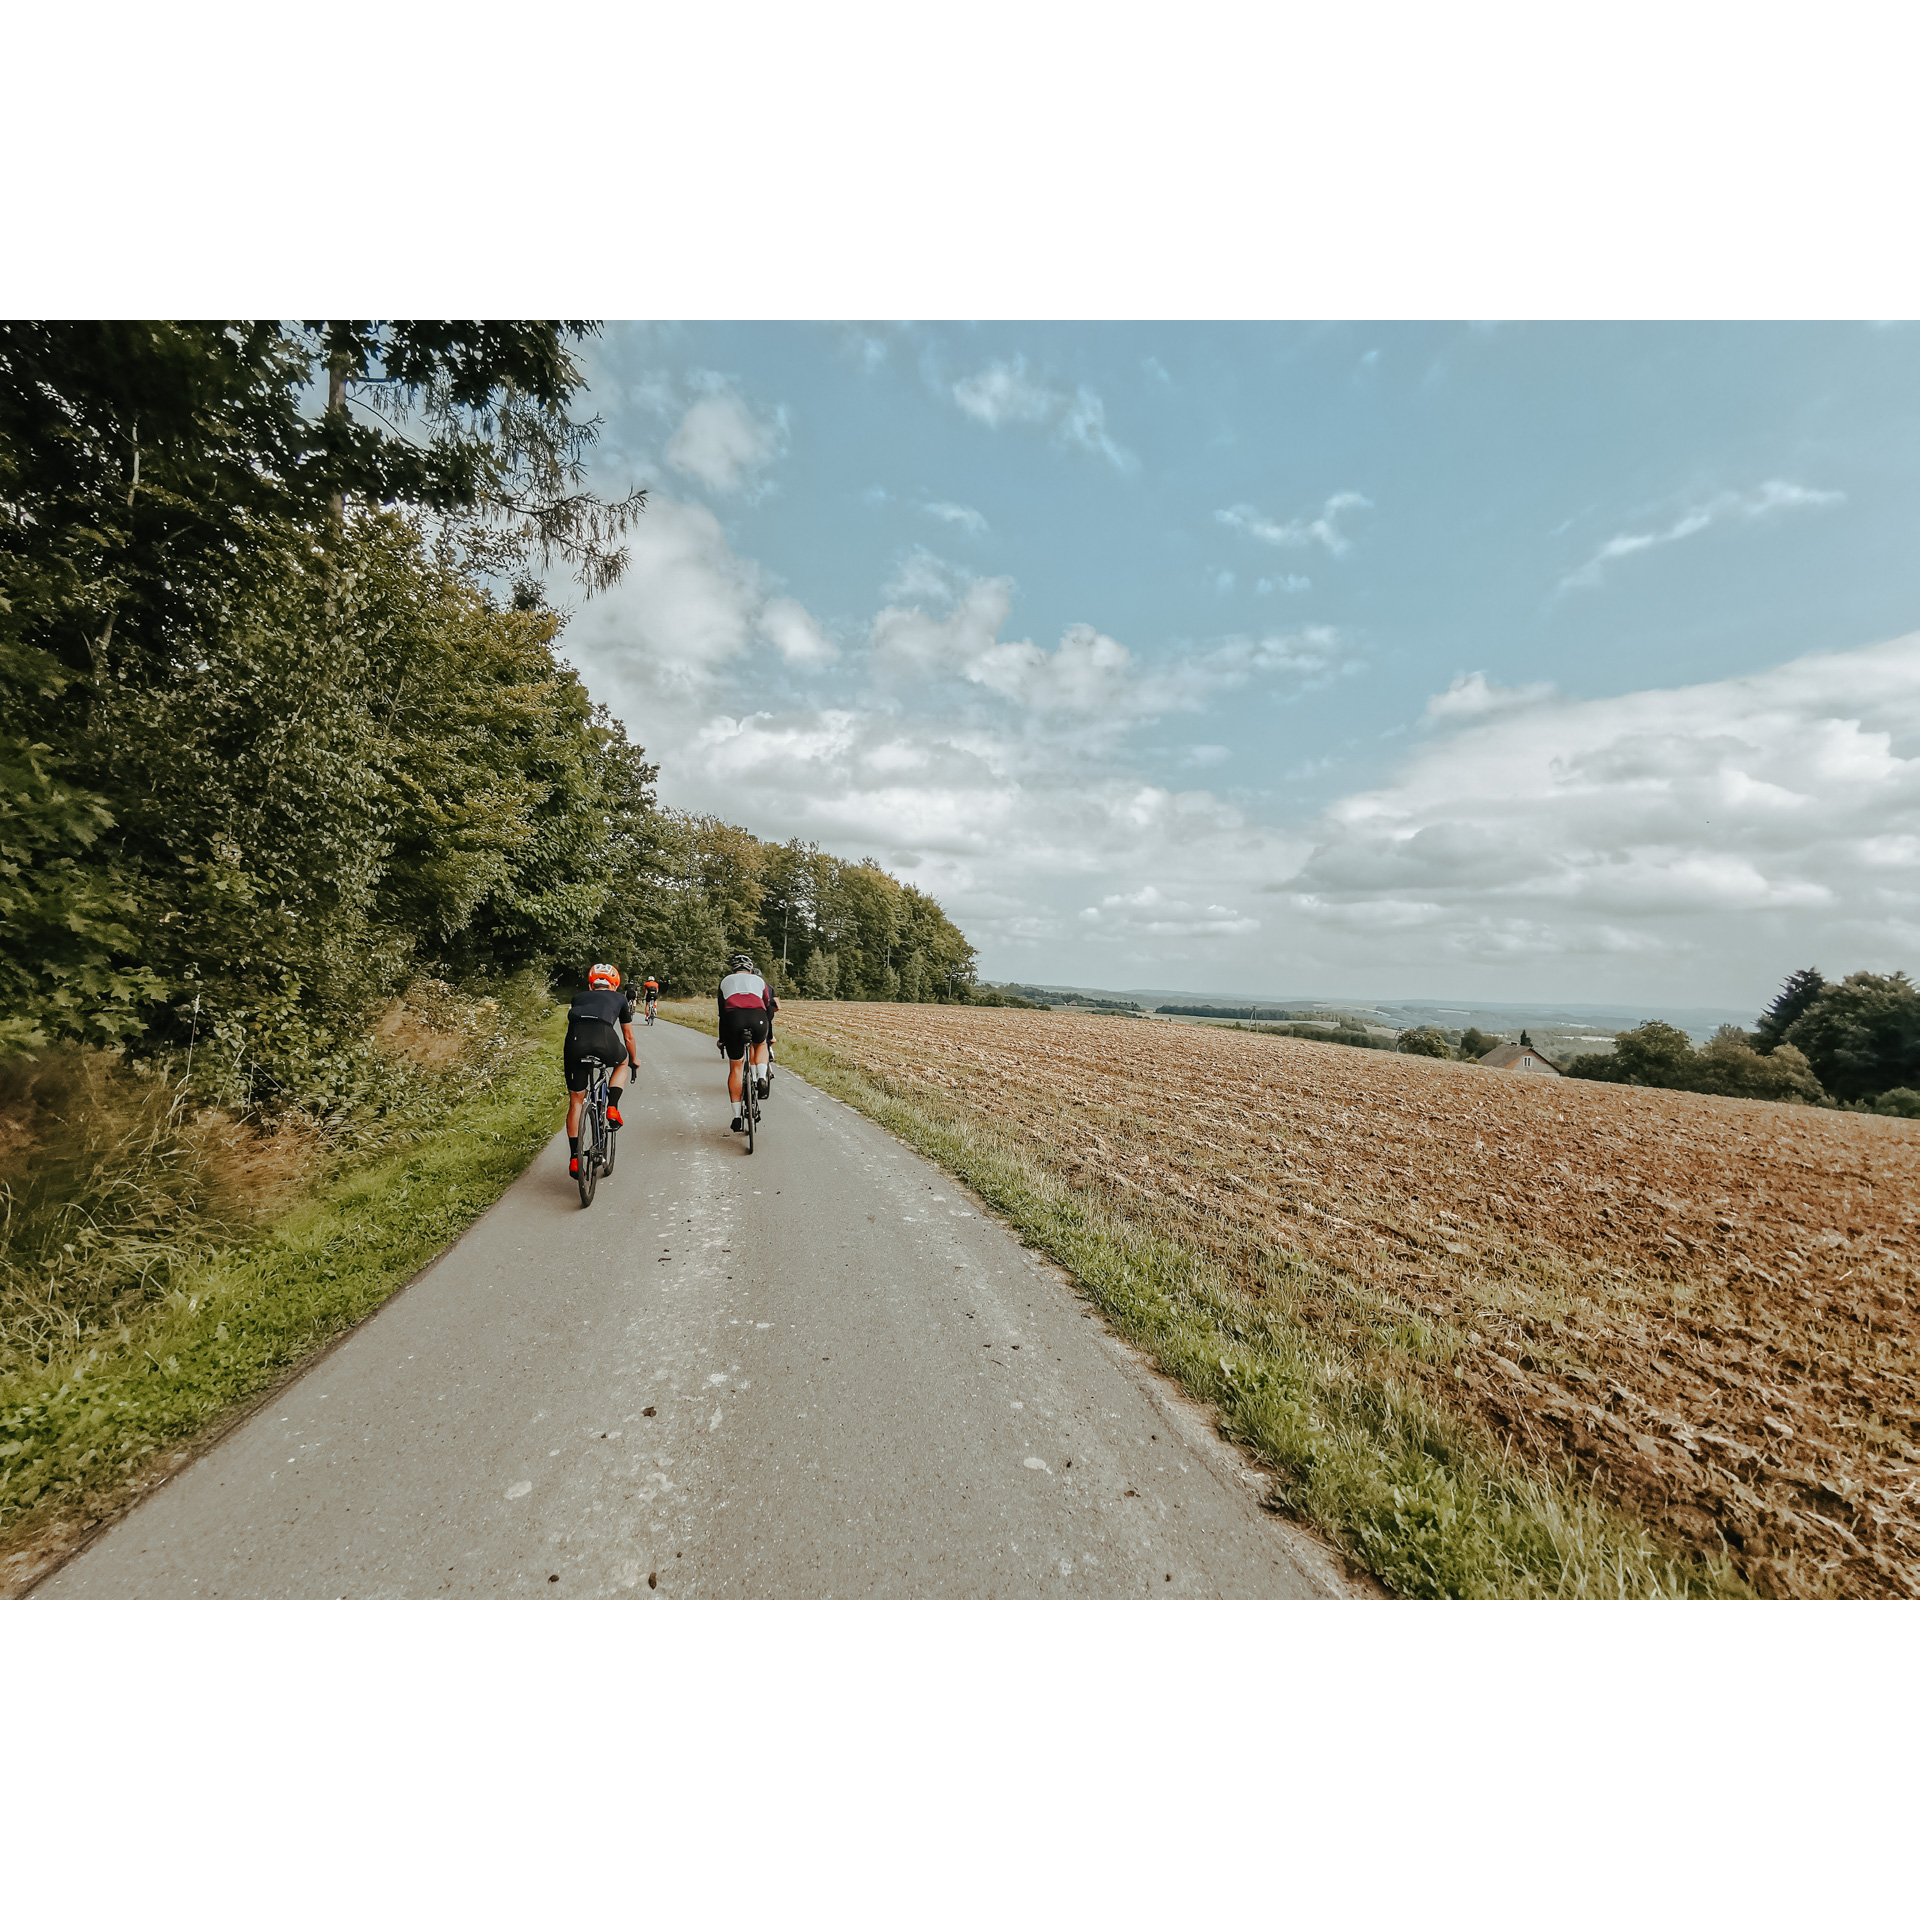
745 962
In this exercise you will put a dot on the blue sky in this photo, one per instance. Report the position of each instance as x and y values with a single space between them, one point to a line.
1375 659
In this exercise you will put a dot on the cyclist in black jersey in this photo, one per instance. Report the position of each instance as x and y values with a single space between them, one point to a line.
600 1025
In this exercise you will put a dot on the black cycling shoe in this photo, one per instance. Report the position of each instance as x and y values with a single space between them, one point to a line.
739 1125
764 1089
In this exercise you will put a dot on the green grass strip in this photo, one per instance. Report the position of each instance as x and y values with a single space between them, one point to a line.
1405 1488
76 1440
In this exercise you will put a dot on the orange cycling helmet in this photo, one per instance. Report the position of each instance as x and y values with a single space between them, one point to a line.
603 975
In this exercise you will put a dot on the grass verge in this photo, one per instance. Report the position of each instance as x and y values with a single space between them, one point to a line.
81 1439
1401 1485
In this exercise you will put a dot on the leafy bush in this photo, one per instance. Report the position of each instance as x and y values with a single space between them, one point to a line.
1903 1103
1658 1055
1426 1041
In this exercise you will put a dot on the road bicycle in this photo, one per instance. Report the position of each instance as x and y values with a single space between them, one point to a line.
649 1013
749 1097
749 1090
596 1136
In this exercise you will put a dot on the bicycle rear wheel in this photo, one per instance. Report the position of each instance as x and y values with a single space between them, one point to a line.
589 1174
613 1140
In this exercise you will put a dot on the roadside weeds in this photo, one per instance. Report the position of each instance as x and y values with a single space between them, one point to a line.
1404 1488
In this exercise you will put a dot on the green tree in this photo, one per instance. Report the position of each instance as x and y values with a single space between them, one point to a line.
1863 1035
1473 1043
180 630
1425 1041
817 978
1796 995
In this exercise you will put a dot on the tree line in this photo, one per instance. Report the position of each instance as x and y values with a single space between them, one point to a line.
817 925
283 716
1852 1042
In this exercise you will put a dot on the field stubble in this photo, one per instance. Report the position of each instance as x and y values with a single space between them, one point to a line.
1702 1309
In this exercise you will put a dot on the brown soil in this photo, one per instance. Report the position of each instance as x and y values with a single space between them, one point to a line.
1704 1307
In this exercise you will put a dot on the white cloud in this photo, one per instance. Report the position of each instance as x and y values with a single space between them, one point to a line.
1086 426
1472 696
723 444
688 609
796 633
1017 833
1150 911
967 519
1004 392
919 575
1089 672
1772 496
1742 822
1322 530
1286 583
688 603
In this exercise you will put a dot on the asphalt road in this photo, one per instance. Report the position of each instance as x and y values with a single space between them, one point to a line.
819 1371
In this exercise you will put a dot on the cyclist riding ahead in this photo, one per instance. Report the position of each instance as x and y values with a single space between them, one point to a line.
747 1007
600 1025
651 988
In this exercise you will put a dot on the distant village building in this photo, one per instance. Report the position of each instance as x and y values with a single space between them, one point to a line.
1515 1058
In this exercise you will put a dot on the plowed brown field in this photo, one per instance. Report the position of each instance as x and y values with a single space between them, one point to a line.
1703 1307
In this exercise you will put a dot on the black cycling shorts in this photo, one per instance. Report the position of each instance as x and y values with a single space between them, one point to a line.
741 1028
585 1044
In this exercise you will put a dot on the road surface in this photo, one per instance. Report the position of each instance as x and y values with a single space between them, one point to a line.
820 1371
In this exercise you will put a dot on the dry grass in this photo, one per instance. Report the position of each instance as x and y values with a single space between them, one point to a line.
114 1182
1701 1308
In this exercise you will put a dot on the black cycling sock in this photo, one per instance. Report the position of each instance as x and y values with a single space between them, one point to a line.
573 1144
613 1095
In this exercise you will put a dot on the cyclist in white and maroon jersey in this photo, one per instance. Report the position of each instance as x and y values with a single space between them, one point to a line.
747 1007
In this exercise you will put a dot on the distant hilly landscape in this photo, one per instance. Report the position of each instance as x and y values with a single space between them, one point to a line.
1492 1016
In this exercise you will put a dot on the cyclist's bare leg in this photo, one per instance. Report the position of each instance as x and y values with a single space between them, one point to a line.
575 1101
